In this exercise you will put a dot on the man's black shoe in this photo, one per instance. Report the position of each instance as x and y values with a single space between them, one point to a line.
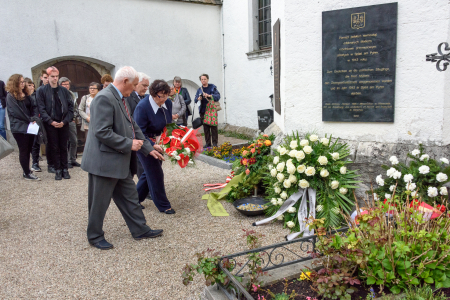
69 165
149 235
50 169
58 175
65 174
75 164
35 168
102 245
149 197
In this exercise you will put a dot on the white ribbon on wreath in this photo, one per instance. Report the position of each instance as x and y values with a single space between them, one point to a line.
303 214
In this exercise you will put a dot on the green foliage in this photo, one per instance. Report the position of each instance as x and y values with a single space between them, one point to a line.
255 260
419 185
334 278
207 264
235 135
401 251
254 161
320 164
423 293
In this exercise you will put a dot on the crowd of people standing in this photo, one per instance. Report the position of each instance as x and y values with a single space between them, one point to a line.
122 126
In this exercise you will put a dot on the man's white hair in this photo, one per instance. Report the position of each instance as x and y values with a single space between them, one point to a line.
126 72
143 76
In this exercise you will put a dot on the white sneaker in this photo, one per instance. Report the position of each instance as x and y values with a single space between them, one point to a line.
31 176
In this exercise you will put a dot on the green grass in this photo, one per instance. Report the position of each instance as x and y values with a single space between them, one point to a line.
234 135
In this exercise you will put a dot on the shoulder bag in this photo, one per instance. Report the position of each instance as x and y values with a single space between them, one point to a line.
216 103
5 148
198 121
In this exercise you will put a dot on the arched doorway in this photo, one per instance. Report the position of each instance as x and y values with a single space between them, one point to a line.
81 75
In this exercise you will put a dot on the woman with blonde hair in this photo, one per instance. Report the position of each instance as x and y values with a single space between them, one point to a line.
21 109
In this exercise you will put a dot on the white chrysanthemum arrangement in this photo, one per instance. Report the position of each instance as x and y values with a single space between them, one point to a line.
311 162
422 177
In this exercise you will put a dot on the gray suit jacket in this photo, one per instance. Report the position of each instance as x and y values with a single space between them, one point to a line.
108 147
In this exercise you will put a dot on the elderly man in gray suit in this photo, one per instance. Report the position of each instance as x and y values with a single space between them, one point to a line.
112 138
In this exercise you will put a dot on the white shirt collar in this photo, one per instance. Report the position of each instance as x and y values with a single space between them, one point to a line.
154 105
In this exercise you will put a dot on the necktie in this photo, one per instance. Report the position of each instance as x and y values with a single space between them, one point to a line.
124 104
141 97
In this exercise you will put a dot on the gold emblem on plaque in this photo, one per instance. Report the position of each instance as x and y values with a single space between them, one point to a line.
358 20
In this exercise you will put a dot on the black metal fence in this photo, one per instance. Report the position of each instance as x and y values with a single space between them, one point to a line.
273 257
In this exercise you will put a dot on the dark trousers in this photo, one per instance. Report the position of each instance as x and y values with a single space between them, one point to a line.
211 133
152 180
35 150
25 143
72 153
57 142
123 192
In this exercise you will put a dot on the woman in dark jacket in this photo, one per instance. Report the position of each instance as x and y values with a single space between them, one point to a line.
20 109
152 114
179 89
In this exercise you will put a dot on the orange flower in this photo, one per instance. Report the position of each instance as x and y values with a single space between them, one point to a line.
247 171
265 135
244 153
244 161
268 143
253 150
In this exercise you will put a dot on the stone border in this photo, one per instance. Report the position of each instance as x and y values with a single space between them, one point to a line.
215 162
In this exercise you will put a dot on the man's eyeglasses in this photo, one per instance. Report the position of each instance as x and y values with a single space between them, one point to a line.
93 88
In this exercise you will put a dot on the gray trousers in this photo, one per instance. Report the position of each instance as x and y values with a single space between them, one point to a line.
123 191
72 153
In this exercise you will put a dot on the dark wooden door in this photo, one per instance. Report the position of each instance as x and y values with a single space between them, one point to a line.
81 75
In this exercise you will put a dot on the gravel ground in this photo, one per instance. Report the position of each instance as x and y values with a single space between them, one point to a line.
44 252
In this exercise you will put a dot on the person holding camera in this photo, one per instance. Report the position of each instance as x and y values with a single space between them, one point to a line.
208 94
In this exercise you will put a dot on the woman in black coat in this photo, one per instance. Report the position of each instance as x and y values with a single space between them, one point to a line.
20 109
179 89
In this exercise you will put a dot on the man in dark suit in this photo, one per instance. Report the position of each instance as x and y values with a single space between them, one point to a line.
133 100
2 109
139 91
113 136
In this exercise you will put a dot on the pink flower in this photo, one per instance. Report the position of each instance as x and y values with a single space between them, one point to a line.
255 288
308 298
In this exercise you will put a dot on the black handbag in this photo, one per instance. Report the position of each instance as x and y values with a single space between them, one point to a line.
198 122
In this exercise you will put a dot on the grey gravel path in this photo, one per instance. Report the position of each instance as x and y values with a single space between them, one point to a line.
44 253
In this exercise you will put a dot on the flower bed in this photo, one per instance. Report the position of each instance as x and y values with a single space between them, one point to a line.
226 152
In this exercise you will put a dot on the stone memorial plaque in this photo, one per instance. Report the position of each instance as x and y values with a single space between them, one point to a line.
358 63
276 65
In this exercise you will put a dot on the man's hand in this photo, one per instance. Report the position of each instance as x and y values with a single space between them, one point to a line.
60 125
137 144
55 124
156 154
158 148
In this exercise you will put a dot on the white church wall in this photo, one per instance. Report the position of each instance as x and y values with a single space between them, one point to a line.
161 38
248 82
422 93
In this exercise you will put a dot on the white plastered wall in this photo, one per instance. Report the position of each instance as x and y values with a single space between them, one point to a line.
248 82
160 38
422 108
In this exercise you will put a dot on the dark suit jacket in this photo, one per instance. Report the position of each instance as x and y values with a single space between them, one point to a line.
133 101
108 147
46 104
2 94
